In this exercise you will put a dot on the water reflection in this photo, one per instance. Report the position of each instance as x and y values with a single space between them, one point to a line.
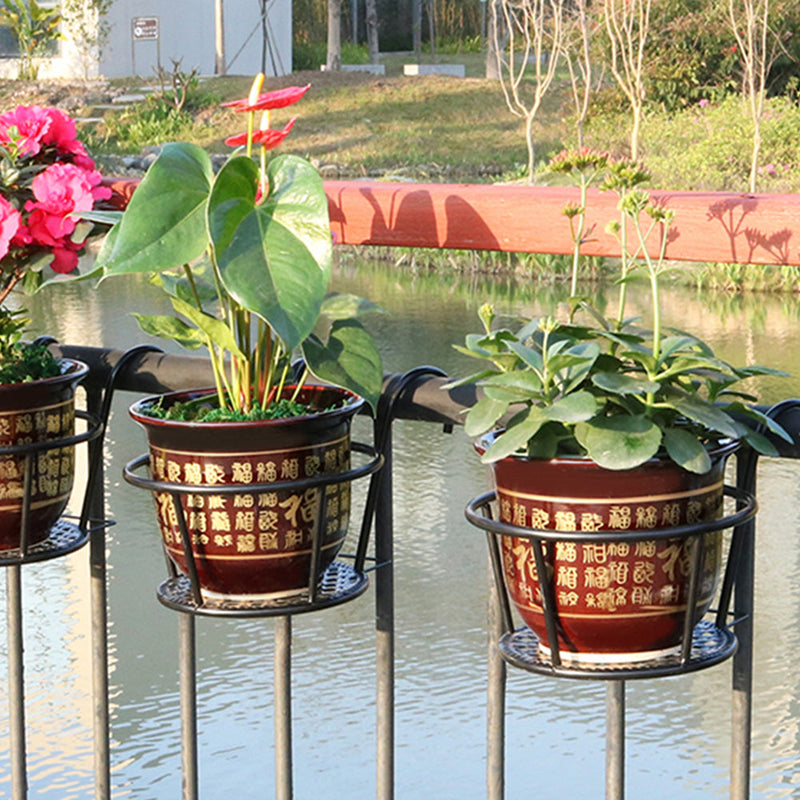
679 729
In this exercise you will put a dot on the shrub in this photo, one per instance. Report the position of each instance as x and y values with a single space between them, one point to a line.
150 122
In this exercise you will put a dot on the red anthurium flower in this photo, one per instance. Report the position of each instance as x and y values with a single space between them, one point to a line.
267 138
280 98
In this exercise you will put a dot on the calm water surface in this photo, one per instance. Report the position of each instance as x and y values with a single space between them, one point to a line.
678 728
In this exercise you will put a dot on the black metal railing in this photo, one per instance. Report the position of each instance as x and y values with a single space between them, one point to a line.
416 395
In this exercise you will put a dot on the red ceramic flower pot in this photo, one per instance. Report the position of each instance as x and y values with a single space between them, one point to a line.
37 411
615 601
250 545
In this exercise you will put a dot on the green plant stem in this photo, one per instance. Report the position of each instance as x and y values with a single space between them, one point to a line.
216 367
231 387
577 236
300 384
268 370
263 174
624 256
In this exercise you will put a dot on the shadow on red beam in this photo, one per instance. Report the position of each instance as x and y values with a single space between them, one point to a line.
708 226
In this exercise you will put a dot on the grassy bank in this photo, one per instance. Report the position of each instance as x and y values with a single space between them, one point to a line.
442 128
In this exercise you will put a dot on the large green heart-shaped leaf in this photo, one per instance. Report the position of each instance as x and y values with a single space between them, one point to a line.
164 225
274 256
349 359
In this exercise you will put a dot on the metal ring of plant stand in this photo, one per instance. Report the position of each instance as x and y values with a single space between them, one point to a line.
64 535
703 645
340 583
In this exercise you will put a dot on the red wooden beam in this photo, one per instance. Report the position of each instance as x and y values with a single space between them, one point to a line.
708 226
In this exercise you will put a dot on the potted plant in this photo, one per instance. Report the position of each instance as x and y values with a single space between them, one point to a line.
245 258
46 177
593 424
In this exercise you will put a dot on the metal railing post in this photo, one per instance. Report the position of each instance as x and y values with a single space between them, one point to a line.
495 699
16 684
384 627
99 610
742 674
283 708
187 664
615 740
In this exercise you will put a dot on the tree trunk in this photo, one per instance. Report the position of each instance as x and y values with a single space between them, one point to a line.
432 27
495 40
416 28
372 30
219 39
334 60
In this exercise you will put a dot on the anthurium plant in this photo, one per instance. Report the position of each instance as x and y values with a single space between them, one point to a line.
245 258
584 385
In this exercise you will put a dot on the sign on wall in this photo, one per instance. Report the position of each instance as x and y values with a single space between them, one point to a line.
145 28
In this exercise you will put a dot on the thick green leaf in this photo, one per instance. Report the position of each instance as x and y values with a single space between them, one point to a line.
685 449
512 387
173 329
483 416
698 410
620 442
763 419
759 442
617 383
531 357
164 225
515 438
348 359
576 407
274 256
469 380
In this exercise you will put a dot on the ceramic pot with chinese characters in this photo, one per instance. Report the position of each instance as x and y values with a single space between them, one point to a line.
31 413
622 601
251 545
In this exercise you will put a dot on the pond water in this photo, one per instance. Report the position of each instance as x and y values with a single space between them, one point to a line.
678 728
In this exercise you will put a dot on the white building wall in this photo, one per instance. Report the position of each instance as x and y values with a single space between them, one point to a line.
186 33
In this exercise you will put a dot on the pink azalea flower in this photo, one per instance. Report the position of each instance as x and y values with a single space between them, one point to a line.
59 190
62 135
65 259
10 223
25 127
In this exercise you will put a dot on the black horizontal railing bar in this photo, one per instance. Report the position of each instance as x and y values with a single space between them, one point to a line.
426 399
154 373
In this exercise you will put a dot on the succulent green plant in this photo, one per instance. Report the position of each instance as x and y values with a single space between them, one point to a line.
606 388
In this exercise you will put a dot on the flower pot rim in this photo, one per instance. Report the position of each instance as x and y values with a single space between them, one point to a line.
71 370
352 405
722 447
